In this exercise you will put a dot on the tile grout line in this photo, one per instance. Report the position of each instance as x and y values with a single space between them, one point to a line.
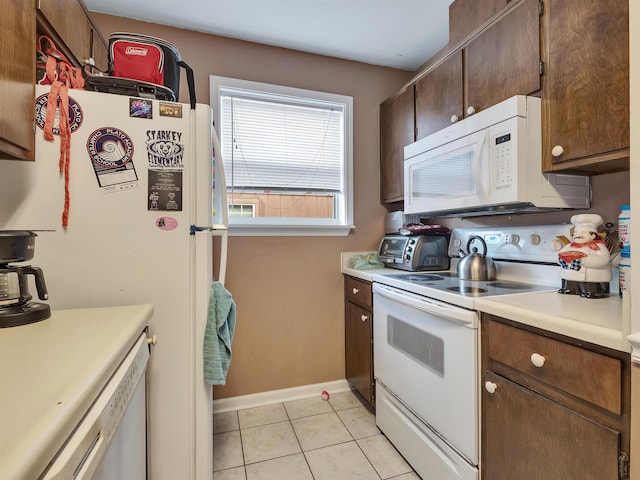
358 445
334 410
244 460
299 443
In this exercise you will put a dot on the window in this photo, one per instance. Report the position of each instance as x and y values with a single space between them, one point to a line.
241 210
287 157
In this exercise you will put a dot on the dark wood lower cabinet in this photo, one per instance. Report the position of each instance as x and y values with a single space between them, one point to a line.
553 407
358 350
358 336
529 437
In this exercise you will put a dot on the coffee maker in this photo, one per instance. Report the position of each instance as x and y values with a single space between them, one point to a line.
16 307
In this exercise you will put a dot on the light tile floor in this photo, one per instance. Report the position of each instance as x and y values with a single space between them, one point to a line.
309 439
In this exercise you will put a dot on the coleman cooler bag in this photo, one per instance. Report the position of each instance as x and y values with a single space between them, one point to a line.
148 59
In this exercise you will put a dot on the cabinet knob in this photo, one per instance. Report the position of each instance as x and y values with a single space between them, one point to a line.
454 118
152 340
355 291
537 359
490 387
557 151
471 110
364 318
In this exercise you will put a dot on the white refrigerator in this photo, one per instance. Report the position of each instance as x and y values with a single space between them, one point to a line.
146 195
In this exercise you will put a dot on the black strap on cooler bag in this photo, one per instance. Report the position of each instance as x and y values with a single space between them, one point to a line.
190 83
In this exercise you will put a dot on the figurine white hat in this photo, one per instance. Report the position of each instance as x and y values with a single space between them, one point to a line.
587 221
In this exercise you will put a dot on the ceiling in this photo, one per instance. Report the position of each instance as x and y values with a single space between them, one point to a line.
394 33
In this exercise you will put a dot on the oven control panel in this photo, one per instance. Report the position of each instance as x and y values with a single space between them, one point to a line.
535 243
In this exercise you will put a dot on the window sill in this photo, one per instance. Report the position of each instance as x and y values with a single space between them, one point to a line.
289 231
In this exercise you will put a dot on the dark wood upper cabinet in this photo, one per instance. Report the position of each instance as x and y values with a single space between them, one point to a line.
68 24
71 24
586 89
17 78
99 50
500 62
466 16
439 96
504 60
573 54
396 131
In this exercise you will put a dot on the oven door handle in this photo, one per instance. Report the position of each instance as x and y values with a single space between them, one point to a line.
433 307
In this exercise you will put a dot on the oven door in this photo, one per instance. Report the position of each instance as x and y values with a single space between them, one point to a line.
426 355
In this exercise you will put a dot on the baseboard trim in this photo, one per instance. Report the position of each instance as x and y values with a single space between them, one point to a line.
275 396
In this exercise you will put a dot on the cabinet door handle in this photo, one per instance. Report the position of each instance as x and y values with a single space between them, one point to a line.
364 317
557 151
454 118
490 387
537 359
471 110
355 291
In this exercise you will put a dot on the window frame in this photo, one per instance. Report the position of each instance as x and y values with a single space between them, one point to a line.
342 224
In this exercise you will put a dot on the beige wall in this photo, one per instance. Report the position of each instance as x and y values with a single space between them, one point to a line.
288 290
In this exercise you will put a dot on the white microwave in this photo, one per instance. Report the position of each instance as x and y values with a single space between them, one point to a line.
489 163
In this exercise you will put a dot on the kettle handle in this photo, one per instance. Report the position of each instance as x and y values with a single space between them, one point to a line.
476 237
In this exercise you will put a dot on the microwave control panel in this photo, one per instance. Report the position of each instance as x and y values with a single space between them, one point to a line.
503 155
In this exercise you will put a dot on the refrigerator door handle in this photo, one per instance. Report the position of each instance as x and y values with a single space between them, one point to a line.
224 237
224 243
193 229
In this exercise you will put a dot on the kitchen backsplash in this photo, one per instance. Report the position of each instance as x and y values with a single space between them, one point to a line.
608 195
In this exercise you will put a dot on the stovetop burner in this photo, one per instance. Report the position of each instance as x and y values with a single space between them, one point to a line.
447 286
467 290
526 262
423 278
511 285
450 281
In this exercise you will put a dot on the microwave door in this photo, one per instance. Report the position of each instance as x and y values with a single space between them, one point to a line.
452 176
480 165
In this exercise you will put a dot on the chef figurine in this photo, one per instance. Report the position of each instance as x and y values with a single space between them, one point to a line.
586 268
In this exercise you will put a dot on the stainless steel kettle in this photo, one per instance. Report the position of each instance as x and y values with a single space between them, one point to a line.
474 266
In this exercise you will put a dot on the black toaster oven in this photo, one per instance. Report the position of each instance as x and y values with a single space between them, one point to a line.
415 253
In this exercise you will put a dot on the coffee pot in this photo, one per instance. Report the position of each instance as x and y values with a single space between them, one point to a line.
16 307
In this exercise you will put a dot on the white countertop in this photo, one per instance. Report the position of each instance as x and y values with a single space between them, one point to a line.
634 340
603 321
600 321
50 372
362 274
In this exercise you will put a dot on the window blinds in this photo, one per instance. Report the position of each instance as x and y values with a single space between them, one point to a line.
273 142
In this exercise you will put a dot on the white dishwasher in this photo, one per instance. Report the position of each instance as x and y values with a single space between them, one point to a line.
110 442
73 402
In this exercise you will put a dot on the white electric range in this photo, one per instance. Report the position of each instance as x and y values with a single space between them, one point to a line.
427 349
